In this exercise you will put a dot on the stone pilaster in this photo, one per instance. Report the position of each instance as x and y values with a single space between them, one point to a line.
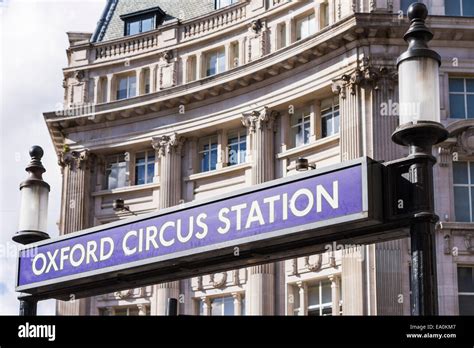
261 126
76 170
335 293
168 150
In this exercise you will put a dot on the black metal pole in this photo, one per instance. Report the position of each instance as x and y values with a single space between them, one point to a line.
28 306
172 308
424 299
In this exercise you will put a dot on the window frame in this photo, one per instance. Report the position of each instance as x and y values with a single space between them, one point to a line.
305 114
217 5
207 58
458 266
208 141
469 186
306 18
321 306
109 164
241 136
128 90
461 9
335 109
148 153
464 93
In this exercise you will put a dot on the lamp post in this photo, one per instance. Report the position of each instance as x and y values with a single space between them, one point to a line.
33 214
420 129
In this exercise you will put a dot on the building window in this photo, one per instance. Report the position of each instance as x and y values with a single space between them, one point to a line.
222 306
126 311
127 87
305 27
459 7
319 299
223 3
461 98
215 62
237 144
329 117
144 167
463 180
139 25
208 154
404 4
466 290
116 172
300 127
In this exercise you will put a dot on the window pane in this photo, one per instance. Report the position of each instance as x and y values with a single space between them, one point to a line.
150 171
228 306
313 295
120 311
456 85
243 152
216 306
212 64
456 105
220 62
132 86
326 292
336 122
147 24
306 133
461 204
460 173
468 8
213 164
466 279
324 127
205 162
452 7
133 311
139 175
140 158
122 89
470 106
133 27
466 305
312 25
470 85
233 154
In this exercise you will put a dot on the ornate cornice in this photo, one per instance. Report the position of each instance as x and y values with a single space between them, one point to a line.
165 144
258 120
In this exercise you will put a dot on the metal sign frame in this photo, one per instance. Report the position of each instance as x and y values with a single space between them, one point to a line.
270 246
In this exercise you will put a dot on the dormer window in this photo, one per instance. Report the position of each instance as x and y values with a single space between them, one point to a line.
142 21
223 3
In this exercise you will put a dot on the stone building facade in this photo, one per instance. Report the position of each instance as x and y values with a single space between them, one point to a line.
175 101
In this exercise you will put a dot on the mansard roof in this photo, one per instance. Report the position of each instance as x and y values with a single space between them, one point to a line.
110 25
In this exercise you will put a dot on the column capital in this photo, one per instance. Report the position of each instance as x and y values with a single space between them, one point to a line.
165 144
259 119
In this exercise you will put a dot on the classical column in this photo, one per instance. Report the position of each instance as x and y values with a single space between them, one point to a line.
76 170
335 293
199 68
109 88
261 290
168 149
261 126
153 78
96 89
228 64
303 294
242 50
184 69
237 303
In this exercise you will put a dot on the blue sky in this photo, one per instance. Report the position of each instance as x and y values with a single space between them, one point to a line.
33 41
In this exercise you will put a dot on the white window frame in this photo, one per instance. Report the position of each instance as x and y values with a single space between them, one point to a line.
305 120
464 93
321 305
309 20
241 136
130 92
220 54
148 153
334 109
469 186
208 141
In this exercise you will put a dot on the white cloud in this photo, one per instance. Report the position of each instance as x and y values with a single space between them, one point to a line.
33 41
